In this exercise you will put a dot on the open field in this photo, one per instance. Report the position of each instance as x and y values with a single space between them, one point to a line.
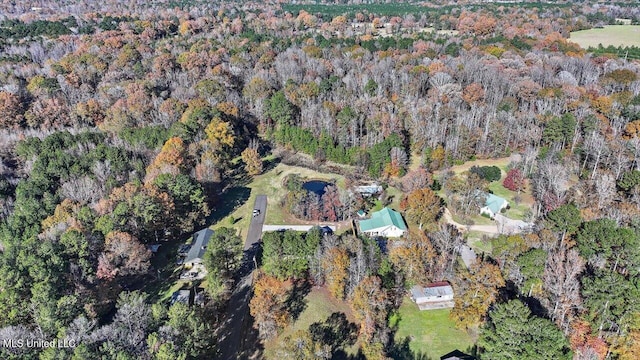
616 35
430 332
319 306
475 239
270 184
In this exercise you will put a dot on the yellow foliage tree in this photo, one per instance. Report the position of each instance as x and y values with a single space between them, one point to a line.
219 134
475 291
252 161
335 264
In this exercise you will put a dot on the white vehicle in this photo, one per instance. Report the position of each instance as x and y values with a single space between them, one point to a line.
256 212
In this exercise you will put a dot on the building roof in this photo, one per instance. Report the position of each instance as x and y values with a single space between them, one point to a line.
457 355
494 203
199 245
383 218
432 290
369 189
181 296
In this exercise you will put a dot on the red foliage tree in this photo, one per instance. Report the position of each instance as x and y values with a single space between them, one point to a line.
514 181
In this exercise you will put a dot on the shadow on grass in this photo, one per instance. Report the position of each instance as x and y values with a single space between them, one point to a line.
268 165
401 351
228 202
336 331
166 271
296 302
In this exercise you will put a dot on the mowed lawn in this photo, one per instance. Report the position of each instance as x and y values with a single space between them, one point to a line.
271 184
430 332
616 35
319 306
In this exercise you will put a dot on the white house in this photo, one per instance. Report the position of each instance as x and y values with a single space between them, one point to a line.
386 222
433 296
493 205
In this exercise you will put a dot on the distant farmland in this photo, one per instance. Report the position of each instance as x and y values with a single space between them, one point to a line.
616 35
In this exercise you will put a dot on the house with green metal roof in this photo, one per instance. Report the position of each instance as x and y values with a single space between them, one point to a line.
493 205
386 222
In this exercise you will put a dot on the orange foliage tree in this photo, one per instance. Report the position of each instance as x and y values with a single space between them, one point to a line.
268 304
170 160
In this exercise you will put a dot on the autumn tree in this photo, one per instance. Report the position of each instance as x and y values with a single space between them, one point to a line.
123 255
301 345
217 149
335 263
142 210
332 207
416 179
252 161
627 347
514 181
370 304
585 344
172 159
476 290
422 206
10 110
415 257
268 304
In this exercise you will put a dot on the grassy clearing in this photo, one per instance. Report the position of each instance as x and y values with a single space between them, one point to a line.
475 239
430 332
270 184
616 35
501 163
396 196
319 306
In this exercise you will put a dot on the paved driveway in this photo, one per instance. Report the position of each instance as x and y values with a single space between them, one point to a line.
236 324
255 228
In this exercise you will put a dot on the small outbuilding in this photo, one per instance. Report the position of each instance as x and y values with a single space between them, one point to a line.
437 295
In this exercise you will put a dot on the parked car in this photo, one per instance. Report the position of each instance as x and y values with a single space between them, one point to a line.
256 212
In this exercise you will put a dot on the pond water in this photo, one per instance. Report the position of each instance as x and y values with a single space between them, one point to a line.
316 186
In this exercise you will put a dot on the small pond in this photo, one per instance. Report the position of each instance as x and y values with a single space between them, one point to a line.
316 186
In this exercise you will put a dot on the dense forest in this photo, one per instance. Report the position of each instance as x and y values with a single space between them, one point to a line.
124 126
